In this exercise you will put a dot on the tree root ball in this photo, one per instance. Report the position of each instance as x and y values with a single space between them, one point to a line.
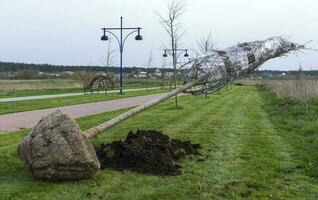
56 150
149 152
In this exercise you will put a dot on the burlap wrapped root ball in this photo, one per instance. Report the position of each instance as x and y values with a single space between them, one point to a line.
57 150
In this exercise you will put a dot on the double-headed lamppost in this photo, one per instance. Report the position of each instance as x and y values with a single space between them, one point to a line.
175 55
176 50
121 42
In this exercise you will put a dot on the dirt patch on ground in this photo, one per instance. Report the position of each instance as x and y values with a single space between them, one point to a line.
149 152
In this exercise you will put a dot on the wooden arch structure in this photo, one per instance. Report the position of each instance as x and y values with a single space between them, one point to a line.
100 83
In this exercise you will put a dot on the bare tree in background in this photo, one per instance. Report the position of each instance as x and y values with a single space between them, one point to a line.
206 44
148 65
108 61
86 77
301 87
171 24
163 65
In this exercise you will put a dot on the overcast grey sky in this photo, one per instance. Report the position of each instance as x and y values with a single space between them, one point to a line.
68 31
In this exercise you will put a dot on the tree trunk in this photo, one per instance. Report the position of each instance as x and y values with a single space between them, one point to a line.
174 51
93 132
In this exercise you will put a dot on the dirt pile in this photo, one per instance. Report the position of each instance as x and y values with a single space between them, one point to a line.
149 152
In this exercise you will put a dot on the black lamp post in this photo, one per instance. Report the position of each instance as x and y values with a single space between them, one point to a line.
121 42
175 55
176 52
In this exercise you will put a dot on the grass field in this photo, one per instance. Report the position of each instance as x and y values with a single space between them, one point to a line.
301 87
50 91
256 145
18 88
37 84
27 105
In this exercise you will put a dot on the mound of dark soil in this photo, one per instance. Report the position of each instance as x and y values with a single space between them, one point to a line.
149 152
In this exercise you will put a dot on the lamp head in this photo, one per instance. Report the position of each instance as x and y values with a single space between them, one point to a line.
139 37
186 54
165 54
104 38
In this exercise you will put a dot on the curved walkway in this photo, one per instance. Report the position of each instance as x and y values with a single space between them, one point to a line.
16 121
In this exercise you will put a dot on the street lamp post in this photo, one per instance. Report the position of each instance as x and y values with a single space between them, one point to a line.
176 51
175 55
121 42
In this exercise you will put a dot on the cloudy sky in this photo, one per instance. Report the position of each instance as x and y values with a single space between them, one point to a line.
68 31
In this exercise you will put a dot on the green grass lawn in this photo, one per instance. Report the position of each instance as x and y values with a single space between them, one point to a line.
50 91
24 93
36 104
249 154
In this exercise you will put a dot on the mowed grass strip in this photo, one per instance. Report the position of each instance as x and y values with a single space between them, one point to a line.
36 104
7 85
52 91
36 92
243 156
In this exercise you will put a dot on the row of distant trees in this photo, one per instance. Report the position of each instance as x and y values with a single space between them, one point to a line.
15 67
291 74
9 70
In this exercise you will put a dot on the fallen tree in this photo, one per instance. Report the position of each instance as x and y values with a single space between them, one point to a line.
217 69
56 148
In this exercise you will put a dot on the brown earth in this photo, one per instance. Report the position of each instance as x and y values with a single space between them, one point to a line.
146 151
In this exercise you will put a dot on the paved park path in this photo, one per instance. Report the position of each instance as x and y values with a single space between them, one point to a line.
16 121
68 94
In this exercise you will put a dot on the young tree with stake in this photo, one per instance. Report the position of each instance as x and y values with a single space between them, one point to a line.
148 65
108 61
171 24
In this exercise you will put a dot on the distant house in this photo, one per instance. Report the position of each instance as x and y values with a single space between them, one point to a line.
157 73
57 74
141 74
169 74
69 72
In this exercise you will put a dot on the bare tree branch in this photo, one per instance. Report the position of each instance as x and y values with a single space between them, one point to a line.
206 44
108 60
86 77
171 25
148 65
